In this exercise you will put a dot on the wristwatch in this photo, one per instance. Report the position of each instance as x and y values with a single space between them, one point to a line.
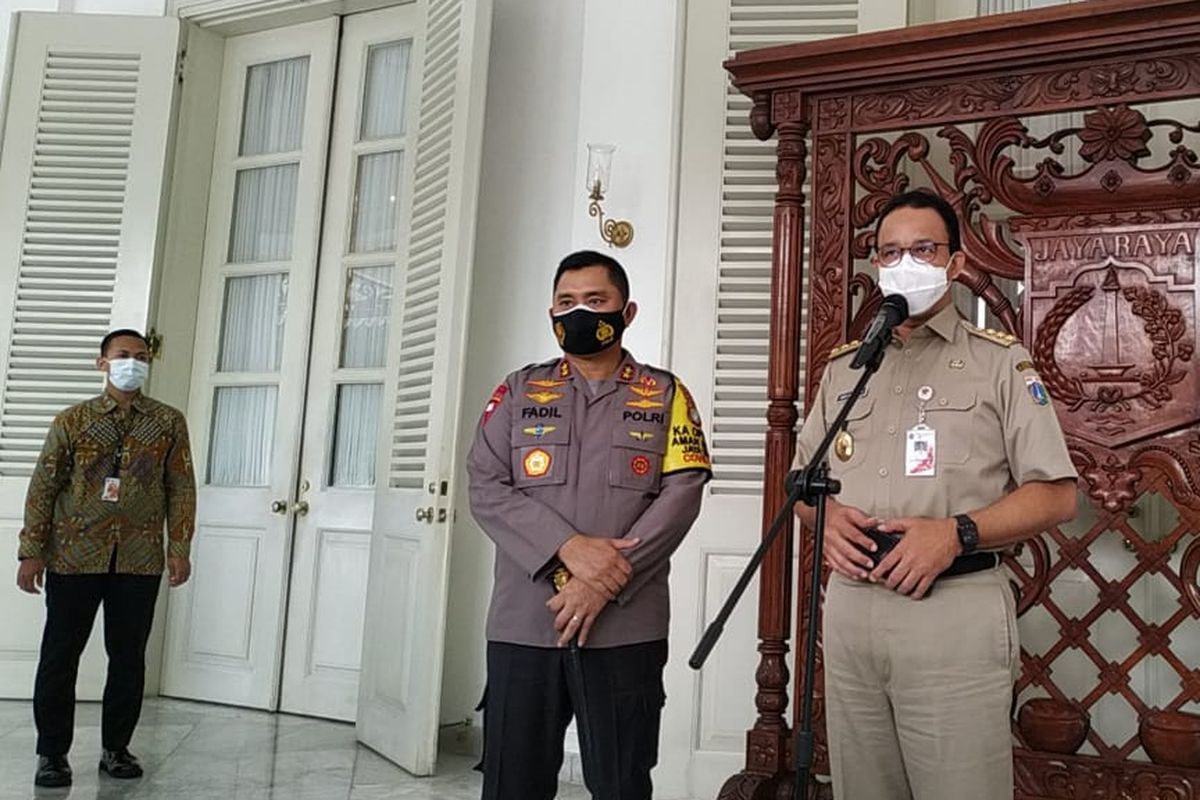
968 534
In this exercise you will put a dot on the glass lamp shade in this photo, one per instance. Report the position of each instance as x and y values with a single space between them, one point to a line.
599 169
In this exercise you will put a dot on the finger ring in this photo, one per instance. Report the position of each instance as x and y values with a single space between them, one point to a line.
575 618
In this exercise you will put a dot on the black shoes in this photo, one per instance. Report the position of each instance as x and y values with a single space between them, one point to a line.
120 764
52 771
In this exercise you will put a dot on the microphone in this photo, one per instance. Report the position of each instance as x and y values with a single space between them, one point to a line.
879 333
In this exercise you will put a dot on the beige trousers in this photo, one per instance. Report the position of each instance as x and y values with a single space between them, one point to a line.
919 692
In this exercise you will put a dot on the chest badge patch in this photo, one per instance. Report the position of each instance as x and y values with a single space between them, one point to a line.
536 463
546 383
843 446
539 430
640 465
646 391
642 436
643 403
957 363
541 398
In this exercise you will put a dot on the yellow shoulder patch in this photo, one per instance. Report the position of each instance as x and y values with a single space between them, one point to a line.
686 447
843 349
995 337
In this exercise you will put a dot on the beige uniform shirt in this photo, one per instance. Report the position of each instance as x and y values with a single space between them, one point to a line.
553 457
994 426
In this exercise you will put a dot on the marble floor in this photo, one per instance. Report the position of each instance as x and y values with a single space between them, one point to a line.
193 751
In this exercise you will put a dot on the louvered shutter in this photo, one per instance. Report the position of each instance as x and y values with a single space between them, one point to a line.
420 296
748 187
85 144
406 593
82 168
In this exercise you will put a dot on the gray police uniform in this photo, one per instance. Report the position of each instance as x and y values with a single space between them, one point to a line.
553 457
918 693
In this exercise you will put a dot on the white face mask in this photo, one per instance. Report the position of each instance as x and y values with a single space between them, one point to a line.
922 285
127 374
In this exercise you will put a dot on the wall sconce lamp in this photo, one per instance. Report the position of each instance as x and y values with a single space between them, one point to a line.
617 233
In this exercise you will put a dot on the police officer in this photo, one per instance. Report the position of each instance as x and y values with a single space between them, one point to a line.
586 472
955 448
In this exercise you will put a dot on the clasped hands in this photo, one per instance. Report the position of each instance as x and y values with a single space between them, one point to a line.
599 571
927 547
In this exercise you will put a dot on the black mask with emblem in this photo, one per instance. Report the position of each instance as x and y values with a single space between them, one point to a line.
584 332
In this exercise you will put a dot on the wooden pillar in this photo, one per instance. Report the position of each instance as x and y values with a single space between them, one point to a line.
768 744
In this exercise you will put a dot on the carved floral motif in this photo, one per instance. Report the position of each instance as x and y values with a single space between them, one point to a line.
1120 81
1112 134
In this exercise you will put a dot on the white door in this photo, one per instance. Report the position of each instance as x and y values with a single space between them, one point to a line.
224 640
83 171
406 595
366 212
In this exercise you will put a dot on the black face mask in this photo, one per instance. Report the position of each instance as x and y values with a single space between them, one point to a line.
583 332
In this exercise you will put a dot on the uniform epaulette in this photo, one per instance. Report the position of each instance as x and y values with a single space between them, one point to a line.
994 336
843 349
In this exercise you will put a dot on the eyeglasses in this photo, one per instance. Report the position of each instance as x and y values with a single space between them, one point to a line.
924 251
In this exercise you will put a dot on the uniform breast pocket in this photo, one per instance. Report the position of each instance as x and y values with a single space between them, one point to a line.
635 459
539 455
953 417
849 449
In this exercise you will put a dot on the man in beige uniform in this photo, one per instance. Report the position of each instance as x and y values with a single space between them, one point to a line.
956 448
586 471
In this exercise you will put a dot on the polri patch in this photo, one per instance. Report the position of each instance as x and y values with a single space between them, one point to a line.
536 463
494 403
640 465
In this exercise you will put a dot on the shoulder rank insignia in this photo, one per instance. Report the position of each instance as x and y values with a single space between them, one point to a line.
546 383
541 398
564 369
994 336
843 349
627 372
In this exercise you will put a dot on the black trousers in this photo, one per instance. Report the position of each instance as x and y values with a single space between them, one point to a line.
615 693
71 603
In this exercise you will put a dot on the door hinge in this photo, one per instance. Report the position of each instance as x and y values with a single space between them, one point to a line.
180 60
155 340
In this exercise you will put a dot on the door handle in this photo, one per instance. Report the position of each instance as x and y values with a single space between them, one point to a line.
425 515
279 507
300 507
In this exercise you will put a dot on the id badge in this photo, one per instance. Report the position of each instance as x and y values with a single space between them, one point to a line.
111 493
920 452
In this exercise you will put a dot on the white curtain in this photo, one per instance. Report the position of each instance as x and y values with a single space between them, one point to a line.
355 435
273 114
253 322
383 99
243 425
264 206
365 317
377 202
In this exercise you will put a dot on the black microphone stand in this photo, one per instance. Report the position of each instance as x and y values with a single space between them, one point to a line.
814 486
